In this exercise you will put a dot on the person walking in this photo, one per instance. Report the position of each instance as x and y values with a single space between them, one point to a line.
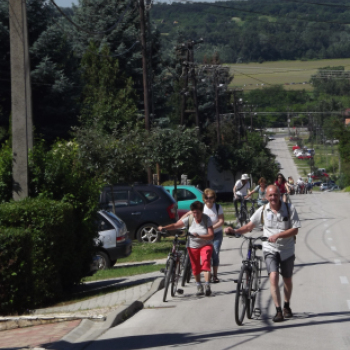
281 184
281 224
290 187
309 185
261 190
240 190
216 215
200 243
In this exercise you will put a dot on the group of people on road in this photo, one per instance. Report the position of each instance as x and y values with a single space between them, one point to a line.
280 224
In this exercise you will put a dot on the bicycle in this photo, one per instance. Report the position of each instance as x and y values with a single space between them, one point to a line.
187 270
248 283
173 267
243 214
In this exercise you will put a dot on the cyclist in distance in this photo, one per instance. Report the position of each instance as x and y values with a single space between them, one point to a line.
261 190
281 184
200 245
301 184
290 187
280 223
240 191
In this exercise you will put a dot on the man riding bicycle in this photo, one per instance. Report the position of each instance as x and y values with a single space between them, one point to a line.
240 191
280 223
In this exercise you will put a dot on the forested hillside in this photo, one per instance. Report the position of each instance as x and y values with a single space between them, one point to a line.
258 30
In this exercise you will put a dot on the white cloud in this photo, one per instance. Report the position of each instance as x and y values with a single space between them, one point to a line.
66 3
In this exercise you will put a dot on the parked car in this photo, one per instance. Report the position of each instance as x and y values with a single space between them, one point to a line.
186 195
142 207
113 241
334 188
317 183
334 142
304 156
295 147
318 175
327 185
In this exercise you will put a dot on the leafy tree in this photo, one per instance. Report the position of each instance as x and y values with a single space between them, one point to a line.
109 97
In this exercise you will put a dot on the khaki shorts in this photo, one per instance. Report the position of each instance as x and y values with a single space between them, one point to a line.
273 262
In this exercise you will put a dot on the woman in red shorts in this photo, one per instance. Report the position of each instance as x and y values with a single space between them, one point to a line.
200 244
281 184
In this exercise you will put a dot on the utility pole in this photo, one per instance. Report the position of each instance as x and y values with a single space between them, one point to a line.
145 76
22 120
144 63
189 76
218 129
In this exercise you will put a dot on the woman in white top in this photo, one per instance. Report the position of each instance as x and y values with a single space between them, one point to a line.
216 215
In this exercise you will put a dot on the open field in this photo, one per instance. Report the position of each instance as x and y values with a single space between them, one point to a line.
293 73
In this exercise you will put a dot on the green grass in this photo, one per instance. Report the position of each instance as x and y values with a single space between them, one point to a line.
148 251
346 189
280 72
116 272
323 159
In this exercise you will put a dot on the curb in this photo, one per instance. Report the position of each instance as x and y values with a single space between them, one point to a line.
80 337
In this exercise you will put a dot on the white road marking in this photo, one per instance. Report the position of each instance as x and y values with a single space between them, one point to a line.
337 262
328 231
343 280
325 225
334 249
330 239
348 303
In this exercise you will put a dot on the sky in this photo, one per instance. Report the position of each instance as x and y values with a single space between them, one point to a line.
66 3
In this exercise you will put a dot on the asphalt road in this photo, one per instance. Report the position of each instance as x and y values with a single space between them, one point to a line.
320 302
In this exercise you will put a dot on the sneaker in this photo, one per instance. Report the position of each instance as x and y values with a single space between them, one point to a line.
200 289
287 312
279 317
207 290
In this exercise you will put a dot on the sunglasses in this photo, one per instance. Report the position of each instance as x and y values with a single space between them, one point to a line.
209 197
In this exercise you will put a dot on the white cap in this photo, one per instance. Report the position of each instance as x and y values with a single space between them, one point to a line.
245 177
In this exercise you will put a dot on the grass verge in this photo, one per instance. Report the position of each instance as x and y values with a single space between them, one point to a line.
122 272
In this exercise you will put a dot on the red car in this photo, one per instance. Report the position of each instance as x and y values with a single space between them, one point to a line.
295 147
319 176
304 156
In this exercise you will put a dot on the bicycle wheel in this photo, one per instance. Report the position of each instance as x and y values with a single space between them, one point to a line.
241 295
168 278
186 275
175 278
246 216
253 287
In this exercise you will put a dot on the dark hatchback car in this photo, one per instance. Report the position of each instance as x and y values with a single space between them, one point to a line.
142 207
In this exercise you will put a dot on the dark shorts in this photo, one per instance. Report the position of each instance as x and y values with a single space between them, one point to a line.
273 262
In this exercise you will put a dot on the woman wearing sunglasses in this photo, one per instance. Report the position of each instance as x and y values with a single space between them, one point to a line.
216 214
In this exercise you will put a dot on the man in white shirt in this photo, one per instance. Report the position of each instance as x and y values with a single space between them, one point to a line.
240 191
280 224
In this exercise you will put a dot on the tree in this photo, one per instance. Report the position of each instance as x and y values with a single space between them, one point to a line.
108 95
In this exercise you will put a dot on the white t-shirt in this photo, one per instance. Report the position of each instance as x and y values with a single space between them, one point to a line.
242 191
201 229
214 215
276 223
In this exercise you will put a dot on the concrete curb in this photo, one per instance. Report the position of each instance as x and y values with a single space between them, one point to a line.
88 331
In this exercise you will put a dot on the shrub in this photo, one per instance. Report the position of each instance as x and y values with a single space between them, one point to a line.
15 269
57 261
5 173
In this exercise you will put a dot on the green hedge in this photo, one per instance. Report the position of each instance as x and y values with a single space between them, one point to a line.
56 239
15 269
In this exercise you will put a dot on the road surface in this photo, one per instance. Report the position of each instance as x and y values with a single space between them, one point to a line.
320 301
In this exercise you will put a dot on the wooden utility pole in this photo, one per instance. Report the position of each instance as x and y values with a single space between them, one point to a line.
145 75
21 109
218 129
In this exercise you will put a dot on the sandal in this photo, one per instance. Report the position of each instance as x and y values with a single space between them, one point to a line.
215 279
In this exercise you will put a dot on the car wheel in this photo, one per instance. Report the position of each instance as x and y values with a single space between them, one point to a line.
103 262
148 233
